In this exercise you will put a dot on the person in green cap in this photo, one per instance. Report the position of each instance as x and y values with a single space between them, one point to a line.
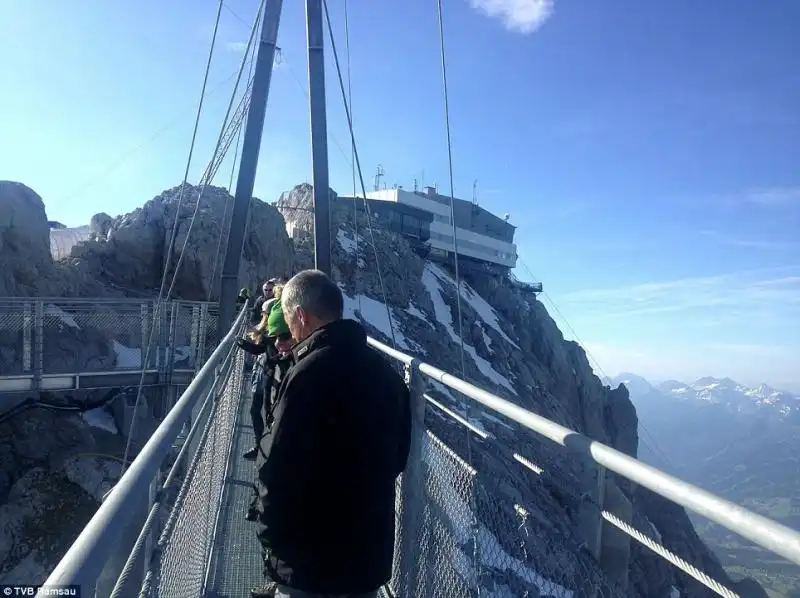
277 366
270 341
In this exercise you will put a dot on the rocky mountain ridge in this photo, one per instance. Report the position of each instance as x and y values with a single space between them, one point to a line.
736 397
512 347
125 255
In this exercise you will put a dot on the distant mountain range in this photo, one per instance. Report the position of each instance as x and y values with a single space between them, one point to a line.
739 442
763 400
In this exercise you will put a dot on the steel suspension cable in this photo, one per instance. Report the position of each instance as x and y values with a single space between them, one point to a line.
352 151
209 174
452 202
228 212
360 173
173 234
101 175
475 547
655 448
161 298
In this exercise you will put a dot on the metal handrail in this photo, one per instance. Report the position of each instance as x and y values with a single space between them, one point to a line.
99 300
86 558
764 532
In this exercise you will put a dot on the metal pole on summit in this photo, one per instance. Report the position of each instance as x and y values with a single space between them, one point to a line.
248 163
319 136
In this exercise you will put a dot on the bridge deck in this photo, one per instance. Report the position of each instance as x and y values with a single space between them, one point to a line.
236 557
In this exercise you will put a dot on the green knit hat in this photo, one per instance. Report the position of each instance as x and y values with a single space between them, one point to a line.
276 324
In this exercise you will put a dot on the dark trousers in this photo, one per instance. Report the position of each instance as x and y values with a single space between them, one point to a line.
255 415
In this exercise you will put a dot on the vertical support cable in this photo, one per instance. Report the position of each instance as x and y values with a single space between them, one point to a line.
173 234
450 169
352 151
475 555
360 173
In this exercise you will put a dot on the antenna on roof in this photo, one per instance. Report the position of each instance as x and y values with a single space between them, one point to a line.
378 174
475 192
416 188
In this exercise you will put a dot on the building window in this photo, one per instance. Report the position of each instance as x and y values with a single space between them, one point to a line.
410 225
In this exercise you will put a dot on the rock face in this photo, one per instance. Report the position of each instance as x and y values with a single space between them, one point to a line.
129 252
514 349
24 241
125 256
43 513
52 476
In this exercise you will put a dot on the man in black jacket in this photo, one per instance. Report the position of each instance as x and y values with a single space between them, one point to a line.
266 294
341 437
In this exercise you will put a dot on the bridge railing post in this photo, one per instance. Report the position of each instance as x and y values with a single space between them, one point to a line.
174 313
412 488
38 344
194 339
152 536
201 336
27 337
143 350
591 519
169 390
615 545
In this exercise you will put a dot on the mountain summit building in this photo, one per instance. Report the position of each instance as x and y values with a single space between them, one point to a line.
483 240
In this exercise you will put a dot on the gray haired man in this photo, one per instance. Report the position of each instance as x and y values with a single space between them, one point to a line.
340 439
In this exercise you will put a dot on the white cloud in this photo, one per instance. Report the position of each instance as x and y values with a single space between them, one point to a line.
236 46
752 243
773 196
742 325
523 16
753 294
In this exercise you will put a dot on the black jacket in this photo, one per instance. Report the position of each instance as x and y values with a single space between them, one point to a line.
275 371
265 351
341 437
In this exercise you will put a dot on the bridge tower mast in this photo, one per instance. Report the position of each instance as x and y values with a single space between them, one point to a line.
252 144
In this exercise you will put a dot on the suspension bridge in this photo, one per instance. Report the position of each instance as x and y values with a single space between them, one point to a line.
454 535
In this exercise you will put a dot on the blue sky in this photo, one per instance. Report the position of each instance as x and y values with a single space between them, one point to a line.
649 152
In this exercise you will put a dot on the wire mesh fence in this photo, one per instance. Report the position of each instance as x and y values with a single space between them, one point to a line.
183 553
59 336
473 542
520 548
16 325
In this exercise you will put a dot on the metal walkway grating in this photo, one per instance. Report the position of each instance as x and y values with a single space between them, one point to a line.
236 563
